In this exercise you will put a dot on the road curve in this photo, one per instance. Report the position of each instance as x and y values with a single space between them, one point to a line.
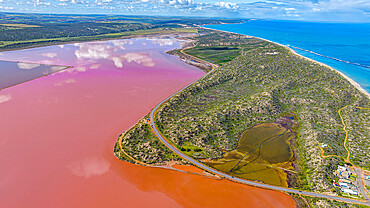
211 170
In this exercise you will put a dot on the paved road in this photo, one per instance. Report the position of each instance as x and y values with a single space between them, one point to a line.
201 165
360 185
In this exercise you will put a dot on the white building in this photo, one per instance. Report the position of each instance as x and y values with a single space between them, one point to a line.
324 145
343 185
349 191
342 168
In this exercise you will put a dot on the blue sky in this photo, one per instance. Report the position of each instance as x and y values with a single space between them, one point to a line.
312 10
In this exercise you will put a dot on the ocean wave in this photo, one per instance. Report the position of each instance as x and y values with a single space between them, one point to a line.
336 59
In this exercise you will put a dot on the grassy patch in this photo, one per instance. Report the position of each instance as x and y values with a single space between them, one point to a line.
19 25
215 54
190 149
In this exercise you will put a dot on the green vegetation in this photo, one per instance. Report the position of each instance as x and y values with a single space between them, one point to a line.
307 202
264 83
219 49
17 26
26 43
141 144
190 149
26 30
219 119
217 54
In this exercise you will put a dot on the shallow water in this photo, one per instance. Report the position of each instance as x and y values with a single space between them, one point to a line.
13 73
272 140
57 132
261 153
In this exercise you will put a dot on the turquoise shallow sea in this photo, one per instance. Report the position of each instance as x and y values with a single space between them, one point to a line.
343 46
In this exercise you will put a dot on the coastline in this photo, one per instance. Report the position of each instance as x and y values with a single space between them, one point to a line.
165 142
351 81
93 40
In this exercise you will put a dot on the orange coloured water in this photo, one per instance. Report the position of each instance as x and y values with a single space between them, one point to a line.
57 132
189 168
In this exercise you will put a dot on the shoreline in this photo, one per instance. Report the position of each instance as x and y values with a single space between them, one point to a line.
94 40
351 81
28 62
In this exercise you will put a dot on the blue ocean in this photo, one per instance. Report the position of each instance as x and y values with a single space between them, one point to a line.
343 46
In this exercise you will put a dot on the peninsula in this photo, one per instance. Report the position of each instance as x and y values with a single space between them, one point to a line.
262 115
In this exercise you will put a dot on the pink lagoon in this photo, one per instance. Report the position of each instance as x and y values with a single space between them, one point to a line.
57 132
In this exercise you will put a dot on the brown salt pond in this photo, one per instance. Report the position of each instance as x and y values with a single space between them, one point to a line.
57 132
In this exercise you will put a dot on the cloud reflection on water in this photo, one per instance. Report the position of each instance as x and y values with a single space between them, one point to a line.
163 42
68 81
56 68
49 55
27 66
75 69
110 51
95 66
88 167
140 58
5 98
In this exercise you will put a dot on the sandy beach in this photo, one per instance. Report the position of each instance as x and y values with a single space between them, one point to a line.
355 84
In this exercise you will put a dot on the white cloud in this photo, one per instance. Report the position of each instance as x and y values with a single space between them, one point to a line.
181 2
6 8
350 10
227 5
